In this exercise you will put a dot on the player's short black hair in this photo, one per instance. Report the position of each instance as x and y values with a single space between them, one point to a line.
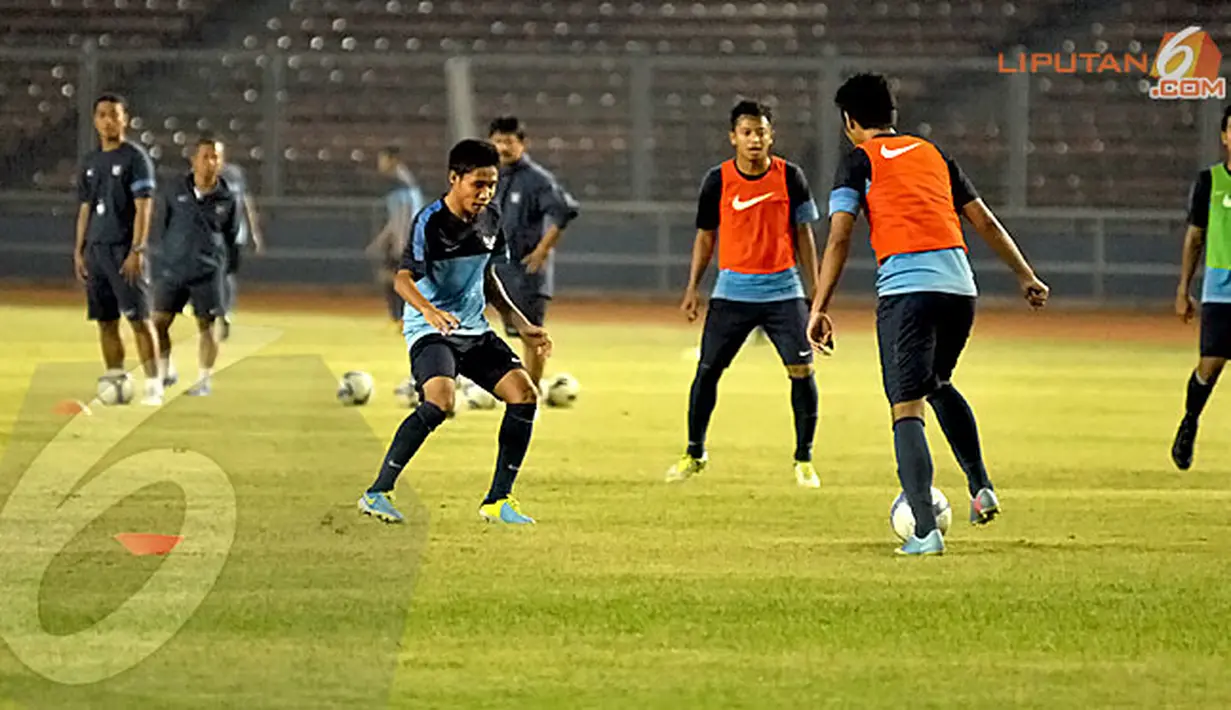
208 139
1226 117
390 150
508 125
471 154
109 97
866 98
751 109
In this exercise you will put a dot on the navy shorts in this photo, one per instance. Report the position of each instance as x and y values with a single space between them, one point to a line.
207 295
526 291
483 359
728 323
108 294
921 336
1216 330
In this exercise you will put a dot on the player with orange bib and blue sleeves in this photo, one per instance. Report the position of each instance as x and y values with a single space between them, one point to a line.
759 208
913 194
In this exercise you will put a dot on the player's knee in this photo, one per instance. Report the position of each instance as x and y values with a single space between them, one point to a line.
523 392
908 410
440 392
1210 368
205 326
109 327
799 372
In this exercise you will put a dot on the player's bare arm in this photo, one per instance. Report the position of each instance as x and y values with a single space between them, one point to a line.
442 321
702 253
535 259
805 255
499 299
254 223
1194 247
83 221
134 263
837 251
994 233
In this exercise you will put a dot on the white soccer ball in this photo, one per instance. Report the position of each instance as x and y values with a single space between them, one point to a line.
902 520
406 395
478 398
355 388
560 390
115 389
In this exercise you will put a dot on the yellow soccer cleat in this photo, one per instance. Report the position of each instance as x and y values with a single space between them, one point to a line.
686 468
505 510
805 475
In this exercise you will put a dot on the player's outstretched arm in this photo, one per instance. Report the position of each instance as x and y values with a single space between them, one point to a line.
994 233
443 321
702 252
837 250
1194 245
499 298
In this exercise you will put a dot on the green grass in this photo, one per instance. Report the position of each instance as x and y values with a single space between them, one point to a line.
1103 585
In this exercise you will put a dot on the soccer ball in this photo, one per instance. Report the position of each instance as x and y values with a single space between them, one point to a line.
406 395
355 388
478 398
560 390
902 520
114 389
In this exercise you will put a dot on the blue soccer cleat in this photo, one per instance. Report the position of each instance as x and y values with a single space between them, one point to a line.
931 544
984 507
505 510
380 506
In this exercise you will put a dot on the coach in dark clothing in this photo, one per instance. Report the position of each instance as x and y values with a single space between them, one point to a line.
535 210
200 222
113 220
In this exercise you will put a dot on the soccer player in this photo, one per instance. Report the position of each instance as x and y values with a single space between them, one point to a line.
535 210
760 208
913 194
1209 229
446 279
249 232
113 223
403 200
200 221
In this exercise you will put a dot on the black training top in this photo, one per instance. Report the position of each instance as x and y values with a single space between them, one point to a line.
110 182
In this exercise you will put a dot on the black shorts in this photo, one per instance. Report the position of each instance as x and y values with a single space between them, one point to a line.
526 291
483 359
233 259
1216 330
728 323
207 295
108 294
921 336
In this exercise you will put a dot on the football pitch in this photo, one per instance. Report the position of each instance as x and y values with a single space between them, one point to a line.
1104 584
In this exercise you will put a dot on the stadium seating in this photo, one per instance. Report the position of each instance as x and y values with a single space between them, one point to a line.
1093 141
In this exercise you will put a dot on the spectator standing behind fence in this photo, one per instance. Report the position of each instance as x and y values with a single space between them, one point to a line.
403 200
535 209
249 232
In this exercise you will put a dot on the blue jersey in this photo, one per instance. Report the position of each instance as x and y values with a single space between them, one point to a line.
448 259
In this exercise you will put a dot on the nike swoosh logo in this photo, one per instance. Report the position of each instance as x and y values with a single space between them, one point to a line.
740 205
890 153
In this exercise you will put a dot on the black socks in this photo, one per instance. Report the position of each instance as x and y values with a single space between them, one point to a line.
958 423
514 439
805 404
409 437
910 444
